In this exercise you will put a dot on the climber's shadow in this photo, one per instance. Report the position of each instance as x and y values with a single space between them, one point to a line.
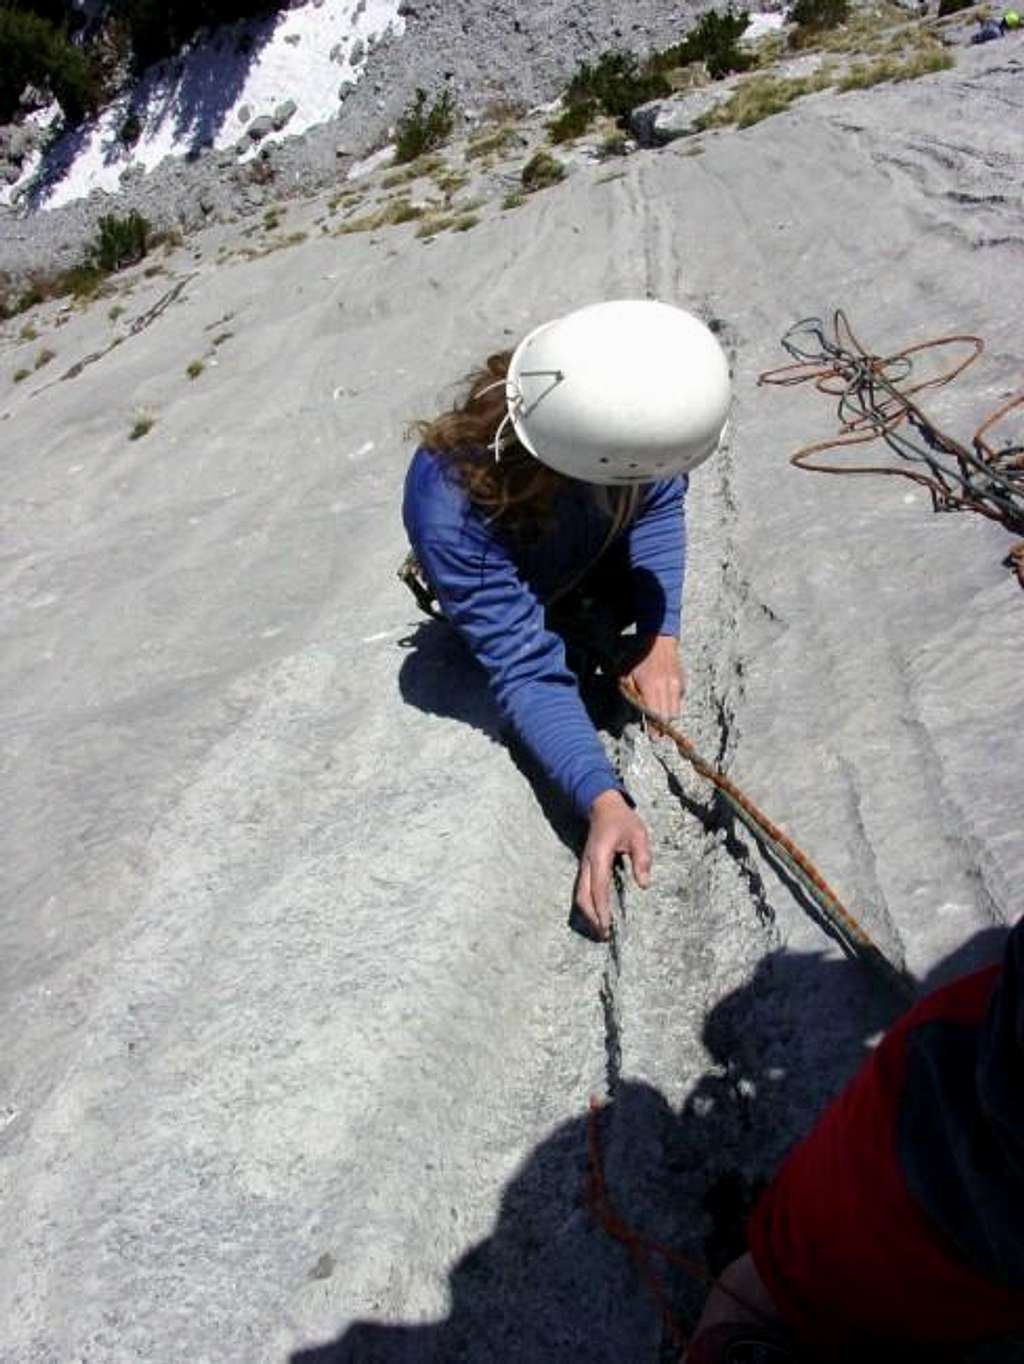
440 676
549 1285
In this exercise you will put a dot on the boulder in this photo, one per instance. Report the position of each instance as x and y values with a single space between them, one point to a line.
20 140
244 113
260 127
662 121
358 52
283 113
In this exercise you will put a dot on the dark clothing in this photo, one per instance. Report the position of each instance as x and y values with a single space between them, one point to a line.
494 592
900 1217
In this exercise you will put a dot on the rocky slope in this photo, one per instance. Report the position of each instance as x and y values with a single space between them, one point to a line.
488 56
299 1044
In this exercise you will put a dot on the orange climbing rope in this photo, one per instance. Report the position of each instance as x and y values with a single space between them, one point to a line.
643 1249
876 402
799 864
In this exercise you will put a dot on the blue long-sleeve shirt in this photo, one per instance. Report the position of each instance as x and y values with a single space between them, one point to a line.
493 590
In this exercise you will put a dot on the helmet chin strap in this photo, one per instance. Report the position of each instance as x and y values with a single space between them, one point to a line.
503 424
496 442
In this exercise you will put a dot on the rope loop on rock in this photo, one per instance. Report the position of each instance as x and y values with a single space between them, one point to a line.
875 401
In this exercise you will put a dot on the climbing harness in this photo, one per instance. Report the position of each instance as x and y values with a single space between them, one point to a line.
850 933
876 402
411 573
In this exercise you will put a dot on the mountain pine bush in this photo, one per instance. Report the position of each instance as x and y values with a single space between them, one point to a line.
35 52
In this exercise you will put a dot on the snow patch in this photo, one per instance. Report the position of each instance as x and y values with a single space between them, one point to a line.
760 24
193 101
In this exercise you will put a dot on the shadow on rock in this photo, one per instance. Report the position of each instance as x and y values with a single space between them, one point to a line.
440 676
549 1285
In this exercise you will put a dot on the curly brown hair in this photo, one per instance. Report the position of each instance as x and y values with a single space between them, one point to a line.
517 491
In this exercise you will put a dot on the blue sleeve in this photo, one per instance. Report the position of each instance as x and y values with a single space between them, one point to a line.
482 594
656 546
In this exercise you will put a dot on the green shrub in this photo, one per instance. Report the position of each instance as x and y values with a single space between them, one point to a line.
573 121
121 241
816 15
44 357
130 130
541 171
614 85
20 375
194 368
421 129
714 42
33 51
617 84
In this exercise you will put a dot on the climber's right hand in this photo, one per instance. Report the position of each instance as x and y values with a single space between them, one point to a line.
615 827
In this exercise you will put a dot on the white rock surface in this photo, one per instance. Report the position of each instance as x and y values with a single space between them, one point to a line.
297 1043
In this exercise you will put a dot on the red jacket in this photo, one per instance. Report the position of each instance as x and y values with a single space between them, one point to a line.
900 1217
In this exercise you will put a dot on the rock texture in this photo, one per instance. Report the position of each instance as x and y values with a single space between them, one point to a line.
298 1043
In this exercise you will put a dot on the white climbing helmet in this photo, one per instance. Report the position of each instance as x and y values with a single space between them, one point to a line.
621 392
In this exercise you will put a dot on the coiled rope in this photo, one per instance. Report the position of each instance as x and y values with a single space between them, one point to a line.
876 402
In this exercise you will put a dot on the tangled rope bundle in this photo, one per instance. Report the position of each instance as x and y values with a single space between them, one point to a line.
876 401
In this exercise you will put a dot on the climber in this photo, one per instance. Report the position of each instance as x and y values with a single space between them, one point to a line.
559 479
899 1220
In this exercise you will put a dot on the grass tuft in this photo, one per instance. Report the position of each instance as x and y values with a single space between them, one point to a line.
143 424
541 171
489 143
860 77
446 222
759 97
423 165
400 210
